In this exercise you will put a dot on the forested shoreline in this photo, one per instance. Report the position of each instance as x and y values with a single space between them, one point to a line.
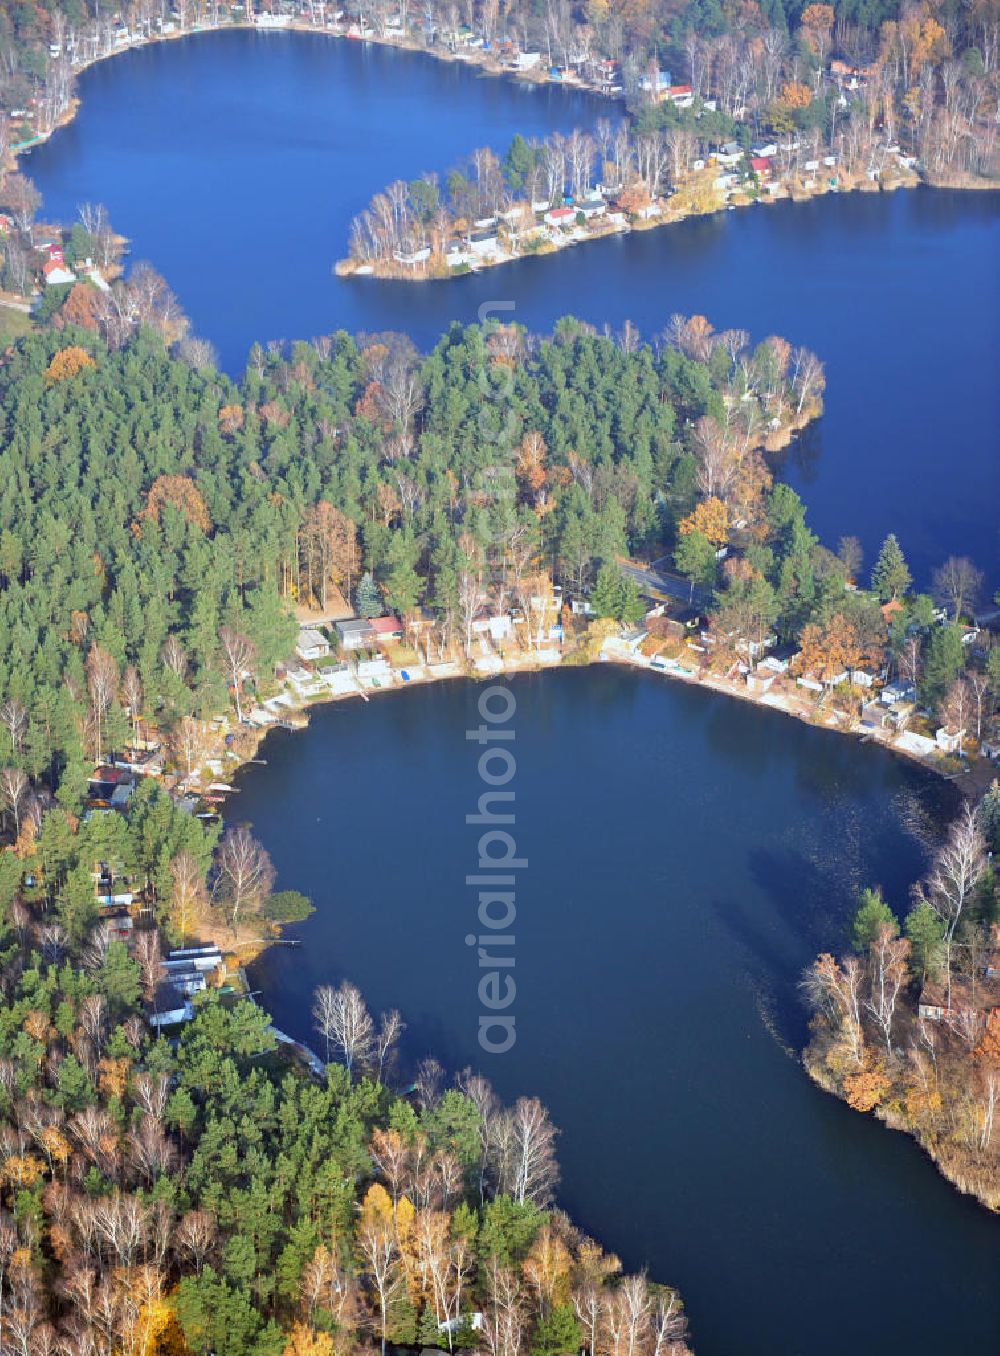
907 1025
209 1196
926 70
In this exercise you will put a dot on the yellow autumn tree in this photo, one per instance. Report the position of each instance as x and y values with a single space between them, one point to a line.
67 363
304 1341
154 1322
710 517
22 1170
796 95
546 1267
56 1147
923 1104
376 1208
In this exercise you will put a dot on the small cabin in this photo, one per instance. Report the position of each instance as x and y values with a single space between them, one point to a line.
355 633
312 644
949 739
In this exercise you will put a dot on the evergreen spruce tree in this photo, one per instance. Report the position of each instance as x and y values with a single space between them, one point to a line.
368 600
891 574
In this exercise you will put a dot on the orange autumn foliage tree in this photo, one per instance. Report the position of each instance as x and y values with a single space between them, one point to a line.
987 1052
79 308
36 1024
56 1147
67 363
184 495
230 419
633 198
112 1076
530 469
710 517
366 405
827 651
817 23
866 1088
276 415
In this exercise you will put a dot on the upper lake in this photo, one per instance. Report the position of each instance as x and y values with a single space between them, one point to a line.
234 162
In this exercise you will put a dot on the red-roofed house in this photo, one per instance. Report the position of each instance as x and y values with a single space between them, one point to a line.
56 273
386 629
560 216
760 166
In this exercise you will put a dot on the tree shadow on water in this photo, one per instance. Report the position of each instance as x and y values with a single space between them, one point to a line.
792 909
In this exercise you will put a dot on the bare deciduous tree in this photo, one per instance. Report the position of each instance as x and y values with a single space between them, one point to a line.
14 789
195 1237
505 1316
957 869
245 875
380 1255
174 657
188 897
102 685
888 956
14 719
531 1170
238 656
345 1023
956 584
188 743
429 1083
391 1027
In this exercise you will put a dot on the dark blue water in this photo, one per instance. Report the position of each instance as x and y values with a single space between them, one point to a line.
687 856
235 162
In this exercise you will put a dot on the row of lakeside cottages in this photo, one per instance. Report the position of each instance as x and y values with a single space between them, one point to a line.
888 708
526 223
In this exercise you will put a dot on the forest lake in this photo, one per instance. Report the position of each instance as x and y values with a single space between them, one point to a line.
725 843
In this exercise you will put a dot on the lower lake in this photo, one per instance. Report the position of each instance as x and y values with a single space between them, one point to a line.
234 162
687 856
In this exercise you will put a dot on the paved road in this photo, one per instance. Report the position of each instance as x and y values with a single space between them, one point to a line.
656 579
